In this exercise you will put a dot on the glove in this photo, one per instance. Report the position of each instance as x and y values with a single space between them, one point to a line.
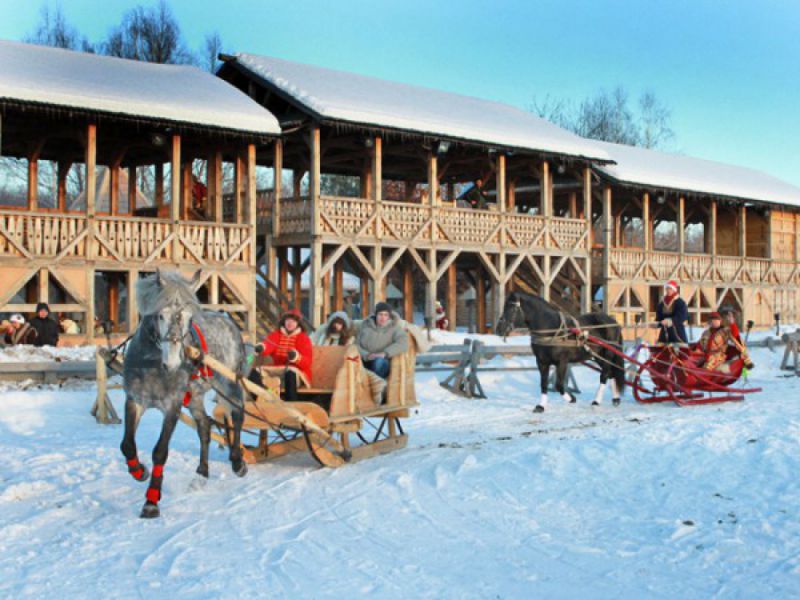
259 348
667 322
292 355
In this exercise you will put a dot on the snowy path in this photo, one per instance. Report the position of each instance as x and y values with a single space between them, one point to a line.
488 501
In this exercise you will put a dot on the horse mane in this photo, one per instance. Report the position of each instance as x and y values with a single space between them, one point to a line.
165 287
539 299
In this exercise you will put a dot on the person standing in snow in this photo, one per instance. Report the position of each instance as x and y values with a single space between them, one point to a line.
19 332
291 348
45 326
442 322
381 338
671 315
335 332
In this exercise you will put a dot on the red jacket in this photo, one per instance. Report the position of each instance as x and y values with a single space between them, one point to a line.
278 343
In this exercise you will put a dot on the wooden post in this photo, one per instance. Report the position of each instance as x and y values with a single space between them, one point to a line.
283 275
90 161
511 200
499 289
376 192
743 230
338 285
480 301
44 286
214 192
159 171
544 190
500 178
133 309
175 193
712 233
408 292
365 182
681 225
452 296
430 287
113 300
573 205
646 221
238 187
251 219
587 203
186 189
365 307
433 178
63 171
113 189
277 187
607 231
33 179
326 295
314 179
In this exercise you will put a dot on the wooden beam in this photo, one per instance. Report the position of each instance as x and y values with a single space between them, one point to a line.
500 179
433 180
742 230
681 225
61 185
480 301
215 191
186 189
587 201
545 198
712 233
408 291
376 166
159 171
452 296
239 176
314 178
646 229
175 194
607 230
277 187
338 286
113 189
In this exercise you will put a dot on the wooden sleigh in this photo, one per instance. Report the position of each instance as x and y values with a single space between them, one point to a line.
340 422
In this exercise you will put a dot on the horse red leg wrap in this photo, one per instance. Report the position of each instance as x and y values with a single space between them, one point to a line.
135 468
154 491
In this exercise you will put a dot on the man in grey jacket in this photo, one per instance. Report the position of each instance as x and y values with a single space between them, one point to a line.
381 338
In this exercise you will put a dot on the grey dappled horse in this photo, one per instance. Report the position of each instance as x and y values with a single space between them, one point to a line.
553 343
158 374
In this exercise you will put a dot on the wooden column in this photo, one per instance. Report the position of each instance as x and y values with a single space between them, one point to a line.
314 179
297 275
681 224
175 194
573 205
33 180
43 294
315 283
326 295
712 229
646 221
315 292
113 189
186 189
214 188
277 187
365 181
251 221
113 301
430 287
338 285
499 290
159 171
586 296
433 178
376 190
283 275
546 199
408 292
238 187
500 177
90 162
742 230
61 186
133 309
480 301
607 231
452 296
511 200
364 297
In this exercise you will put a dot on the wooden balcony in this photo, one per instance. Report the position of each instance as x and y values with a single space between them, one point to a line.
401 223
629 264
122 240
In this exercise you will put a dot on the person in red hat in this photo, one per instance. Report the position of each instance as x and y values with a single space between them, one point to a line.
714 343
671 315
290 347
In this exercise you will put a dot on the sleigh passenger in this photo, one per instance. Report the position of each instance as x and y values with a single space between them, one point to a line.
291 352
714 344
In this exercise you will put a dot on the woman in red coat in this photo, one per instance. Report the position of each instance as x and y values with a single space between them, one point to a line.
290 347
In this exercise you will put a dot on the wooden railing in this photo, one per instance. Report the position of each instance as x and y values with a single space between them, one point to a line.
29 235
630 263
122 239
359 218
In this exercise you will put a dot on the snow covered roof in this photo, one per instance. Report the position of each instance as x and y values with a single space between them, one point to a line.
674 171
83 81
343 96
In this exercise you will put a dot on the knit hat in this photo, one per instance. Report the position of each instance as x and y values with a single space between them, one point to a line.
672 285
292 314
382 307
714 315
42 305
17 318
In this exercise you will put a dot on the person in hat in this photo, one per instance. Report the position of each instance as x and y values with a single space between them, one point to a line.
19 332
729 316
290 347
671 316
442 322
45 326
335 332
714 343
380 338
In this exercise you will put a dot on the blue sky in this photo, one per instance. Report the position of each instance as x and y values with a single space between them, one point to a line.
729 70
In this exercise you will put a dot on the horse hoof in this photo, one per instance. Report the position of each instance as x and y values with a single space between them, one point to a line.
572 399
615 401
595 403
202 471
145 474
150 511
241 470
539 409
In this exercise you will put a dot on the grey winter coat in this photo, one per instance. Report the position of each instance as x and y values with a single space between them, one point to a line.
391 338
321 337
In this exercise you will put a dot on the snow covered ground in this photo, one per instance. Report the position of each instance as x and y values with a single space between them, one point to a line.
488 501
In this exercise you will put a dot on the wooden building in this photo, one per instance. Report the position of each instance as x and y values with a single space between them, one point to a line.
730 235
367 177
80 245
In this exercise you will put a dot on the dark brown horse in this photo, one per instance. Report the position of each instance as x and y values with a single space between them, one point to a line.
554 343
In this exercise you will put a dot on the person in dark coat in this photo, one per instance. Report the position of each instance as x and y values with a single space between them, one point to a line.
671 316
475 196
19 332
45 326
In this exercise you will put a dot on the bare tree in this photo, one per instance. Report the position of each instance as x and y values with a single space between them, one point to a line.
53 30
654 122
211 51
149 34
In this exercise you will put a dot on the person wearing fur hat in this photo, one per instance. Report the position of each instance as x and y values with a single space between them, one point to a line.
290 347
45 326
380 338
671 315
335 332
714 343
442 322
19 332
